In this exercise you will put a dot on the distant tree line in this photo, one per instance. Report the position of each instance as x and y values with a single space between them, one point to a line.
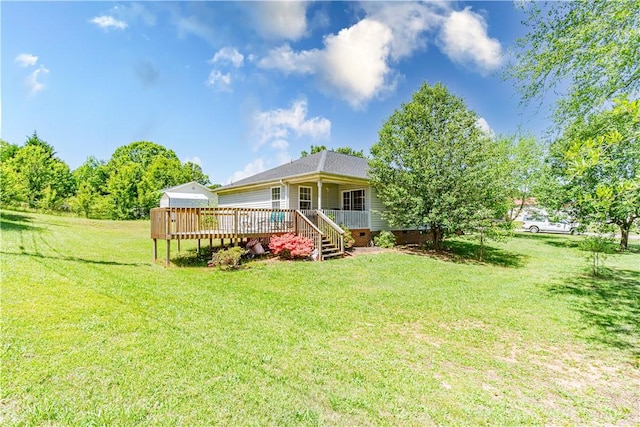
342 150
124 187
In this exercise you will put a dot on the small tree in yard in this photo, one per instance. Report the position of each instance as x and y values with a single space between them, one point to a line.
290 246
433 165
598 246
485 227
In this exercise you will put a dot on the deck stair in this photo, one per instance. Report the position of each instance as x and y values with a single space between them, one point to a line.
330 250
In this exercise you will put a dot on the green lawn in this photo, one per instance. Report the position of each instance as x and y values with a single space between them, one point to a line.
93 333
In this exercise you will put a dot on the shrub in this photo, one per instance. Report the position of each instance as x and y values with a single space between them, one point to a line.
291 246
227 258
349 241
385 239
598 247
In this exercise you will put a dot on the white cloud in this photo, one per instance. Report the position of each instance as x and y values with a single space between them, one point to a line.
465 40
280 144
272 131
483 125
132 12
284 59
32 81
281 19
228 55
251 168
219 81
26 60
275 126
355 61
191 25
106 22
408 21
195 160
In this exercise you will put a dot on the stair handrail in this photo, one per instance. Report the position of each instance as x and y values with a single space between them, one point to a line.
335 232
316 234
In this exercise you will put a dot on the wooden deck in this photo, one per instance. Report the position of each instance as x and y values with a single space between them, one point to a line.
239 224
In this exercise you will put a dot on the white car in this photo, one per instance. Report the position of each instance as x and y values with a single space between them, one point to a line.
536 224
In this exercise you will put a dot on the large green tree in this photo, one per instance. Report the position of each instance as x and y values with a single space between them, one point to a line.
130 194
11 189
596 164
193 172
36 175
433 166
138 171
7 150
586 51
91 183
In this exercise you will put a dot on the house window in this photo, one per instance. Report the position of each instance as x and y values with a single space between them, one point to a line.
305 198
275 197
353 200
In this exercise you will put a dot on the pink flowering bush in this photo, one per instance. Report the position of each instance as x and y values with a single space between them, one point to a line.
291 246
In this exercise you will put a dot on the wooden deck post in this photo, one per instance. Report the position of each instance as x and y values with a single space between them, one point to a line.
168 252
210 242
198 246
236 219
155 250
178 245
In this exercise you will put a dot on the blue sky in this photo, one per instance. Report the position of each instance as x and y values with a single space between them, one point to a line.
241 87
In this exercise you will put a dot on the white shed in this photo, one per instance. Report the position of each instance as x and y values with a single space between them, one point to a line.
189 195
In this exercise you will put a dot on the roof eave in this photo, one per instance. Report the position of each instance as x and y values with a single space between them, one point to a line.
294 179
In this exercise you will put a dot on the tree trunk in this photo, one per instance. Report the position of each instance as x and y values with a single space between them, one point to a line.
624 235
436 234
513 217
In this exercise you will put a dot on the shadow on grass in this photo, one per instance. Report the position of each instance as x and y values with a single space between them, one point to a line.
566 241
610 304
15 222
71 258
558 240
467 252
14 217
193 258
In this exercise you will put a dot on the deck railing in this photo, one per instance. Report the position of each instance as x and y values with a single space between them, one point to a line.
304 227
351 219
193 223
331 231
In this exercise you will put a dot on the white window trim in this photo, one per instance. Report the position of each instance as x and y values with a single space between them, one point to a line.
349 191
300 187
273 200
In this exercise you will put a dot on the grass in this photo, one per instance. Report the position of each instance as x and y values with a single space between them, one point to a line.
94 333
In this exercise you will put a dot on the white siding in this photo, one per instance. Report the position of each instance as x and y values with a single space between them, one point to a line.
294 195
377 222
376 208
330 196
260 198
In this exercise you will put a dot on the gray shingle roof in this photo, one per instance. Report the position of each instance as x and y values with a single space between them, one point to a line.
323 162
